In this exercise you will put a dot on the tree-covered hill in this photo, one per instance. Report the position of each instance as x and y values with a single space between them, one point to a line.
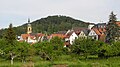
50 24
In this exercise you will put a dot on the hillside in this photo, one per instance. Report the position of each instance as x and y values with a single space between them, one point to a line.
50 24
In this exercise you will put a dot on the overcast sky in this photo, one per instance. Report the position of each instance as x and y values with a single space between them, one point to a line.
18 11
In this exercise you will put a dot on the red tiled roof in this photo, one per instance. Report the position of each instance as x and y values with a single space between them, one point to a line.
100 32
25 36
118 23
32 36
40 34
58 35
97 31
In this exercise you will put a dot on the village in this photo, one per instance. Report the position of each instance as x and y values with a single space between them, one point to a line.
94 31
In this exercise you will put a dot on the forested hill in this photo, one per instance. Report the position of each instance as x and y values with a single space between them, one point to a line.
50 24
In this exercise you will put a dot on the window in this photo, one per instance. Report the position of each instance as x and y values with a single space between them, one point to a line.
29 29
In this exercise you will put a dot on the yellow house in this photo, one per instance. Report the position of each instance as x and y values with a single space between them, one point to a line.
84 34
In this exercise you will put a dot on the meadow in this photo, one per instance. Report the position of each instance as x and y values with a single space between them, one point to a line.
66 61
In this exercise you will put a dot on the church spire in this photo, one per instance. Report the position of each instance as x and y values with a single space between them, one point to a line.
29 27
28 20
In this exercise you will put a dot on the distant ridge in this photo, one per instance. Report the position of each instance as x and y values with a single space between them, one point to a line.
50 24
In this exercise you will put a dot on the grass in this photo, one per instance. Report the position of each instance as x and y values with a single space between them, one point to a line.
69 61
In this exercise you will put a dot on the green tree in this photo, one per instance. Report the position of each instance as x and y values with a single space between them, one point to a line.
25 51
58 45
11 50
10 35
49 50
115 48
44 50
10 38
112 29
84 47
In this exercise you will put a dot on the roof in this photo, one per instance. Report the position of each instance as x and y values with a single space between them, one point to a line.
102 30
40 34
32 35
101 33
96 31
58 35
118 23
78 28
100 25
61 32
86 31
69 34
25 36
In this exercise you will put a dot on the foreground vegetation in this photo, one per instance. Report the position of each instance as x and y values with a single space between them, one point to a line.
66 60
84 52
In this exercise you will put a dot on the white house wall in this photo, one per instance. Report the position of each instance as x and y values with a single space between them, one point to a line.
73 37
92 34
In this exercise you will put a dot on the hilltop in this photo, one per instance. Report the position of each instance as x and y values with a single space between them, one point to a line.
50 24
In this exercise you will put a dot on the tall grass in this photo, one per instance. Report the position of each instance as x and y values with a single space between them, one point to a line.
68 61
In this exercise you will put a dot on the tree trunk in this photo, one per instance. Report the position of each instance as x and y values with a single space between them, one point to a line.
23 60
12 60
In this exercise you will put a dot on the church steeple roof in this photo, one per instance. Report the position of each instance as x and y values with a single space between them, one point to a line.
28 20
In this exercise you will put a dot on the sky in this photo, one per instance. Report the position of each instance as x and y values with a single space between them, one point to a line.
18 11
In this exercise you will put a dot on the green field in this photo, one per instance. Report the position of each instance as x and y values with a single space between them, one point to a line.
66 61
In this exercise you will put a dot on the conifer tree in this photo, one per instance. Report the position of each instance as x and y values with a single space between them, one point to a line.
10 47
10 35
112 29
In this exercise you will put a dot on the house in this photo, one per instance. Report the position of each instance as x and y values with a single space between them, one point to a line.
97 34
102 36
94 34
70 38
32 38
73 34
84 34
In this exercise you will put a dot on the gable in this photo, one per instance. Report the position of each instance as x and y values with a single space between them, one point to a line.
82 33
92 32
73 35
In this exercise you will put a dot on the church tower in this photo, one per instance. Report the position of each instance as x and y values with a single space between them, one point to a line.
29 27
